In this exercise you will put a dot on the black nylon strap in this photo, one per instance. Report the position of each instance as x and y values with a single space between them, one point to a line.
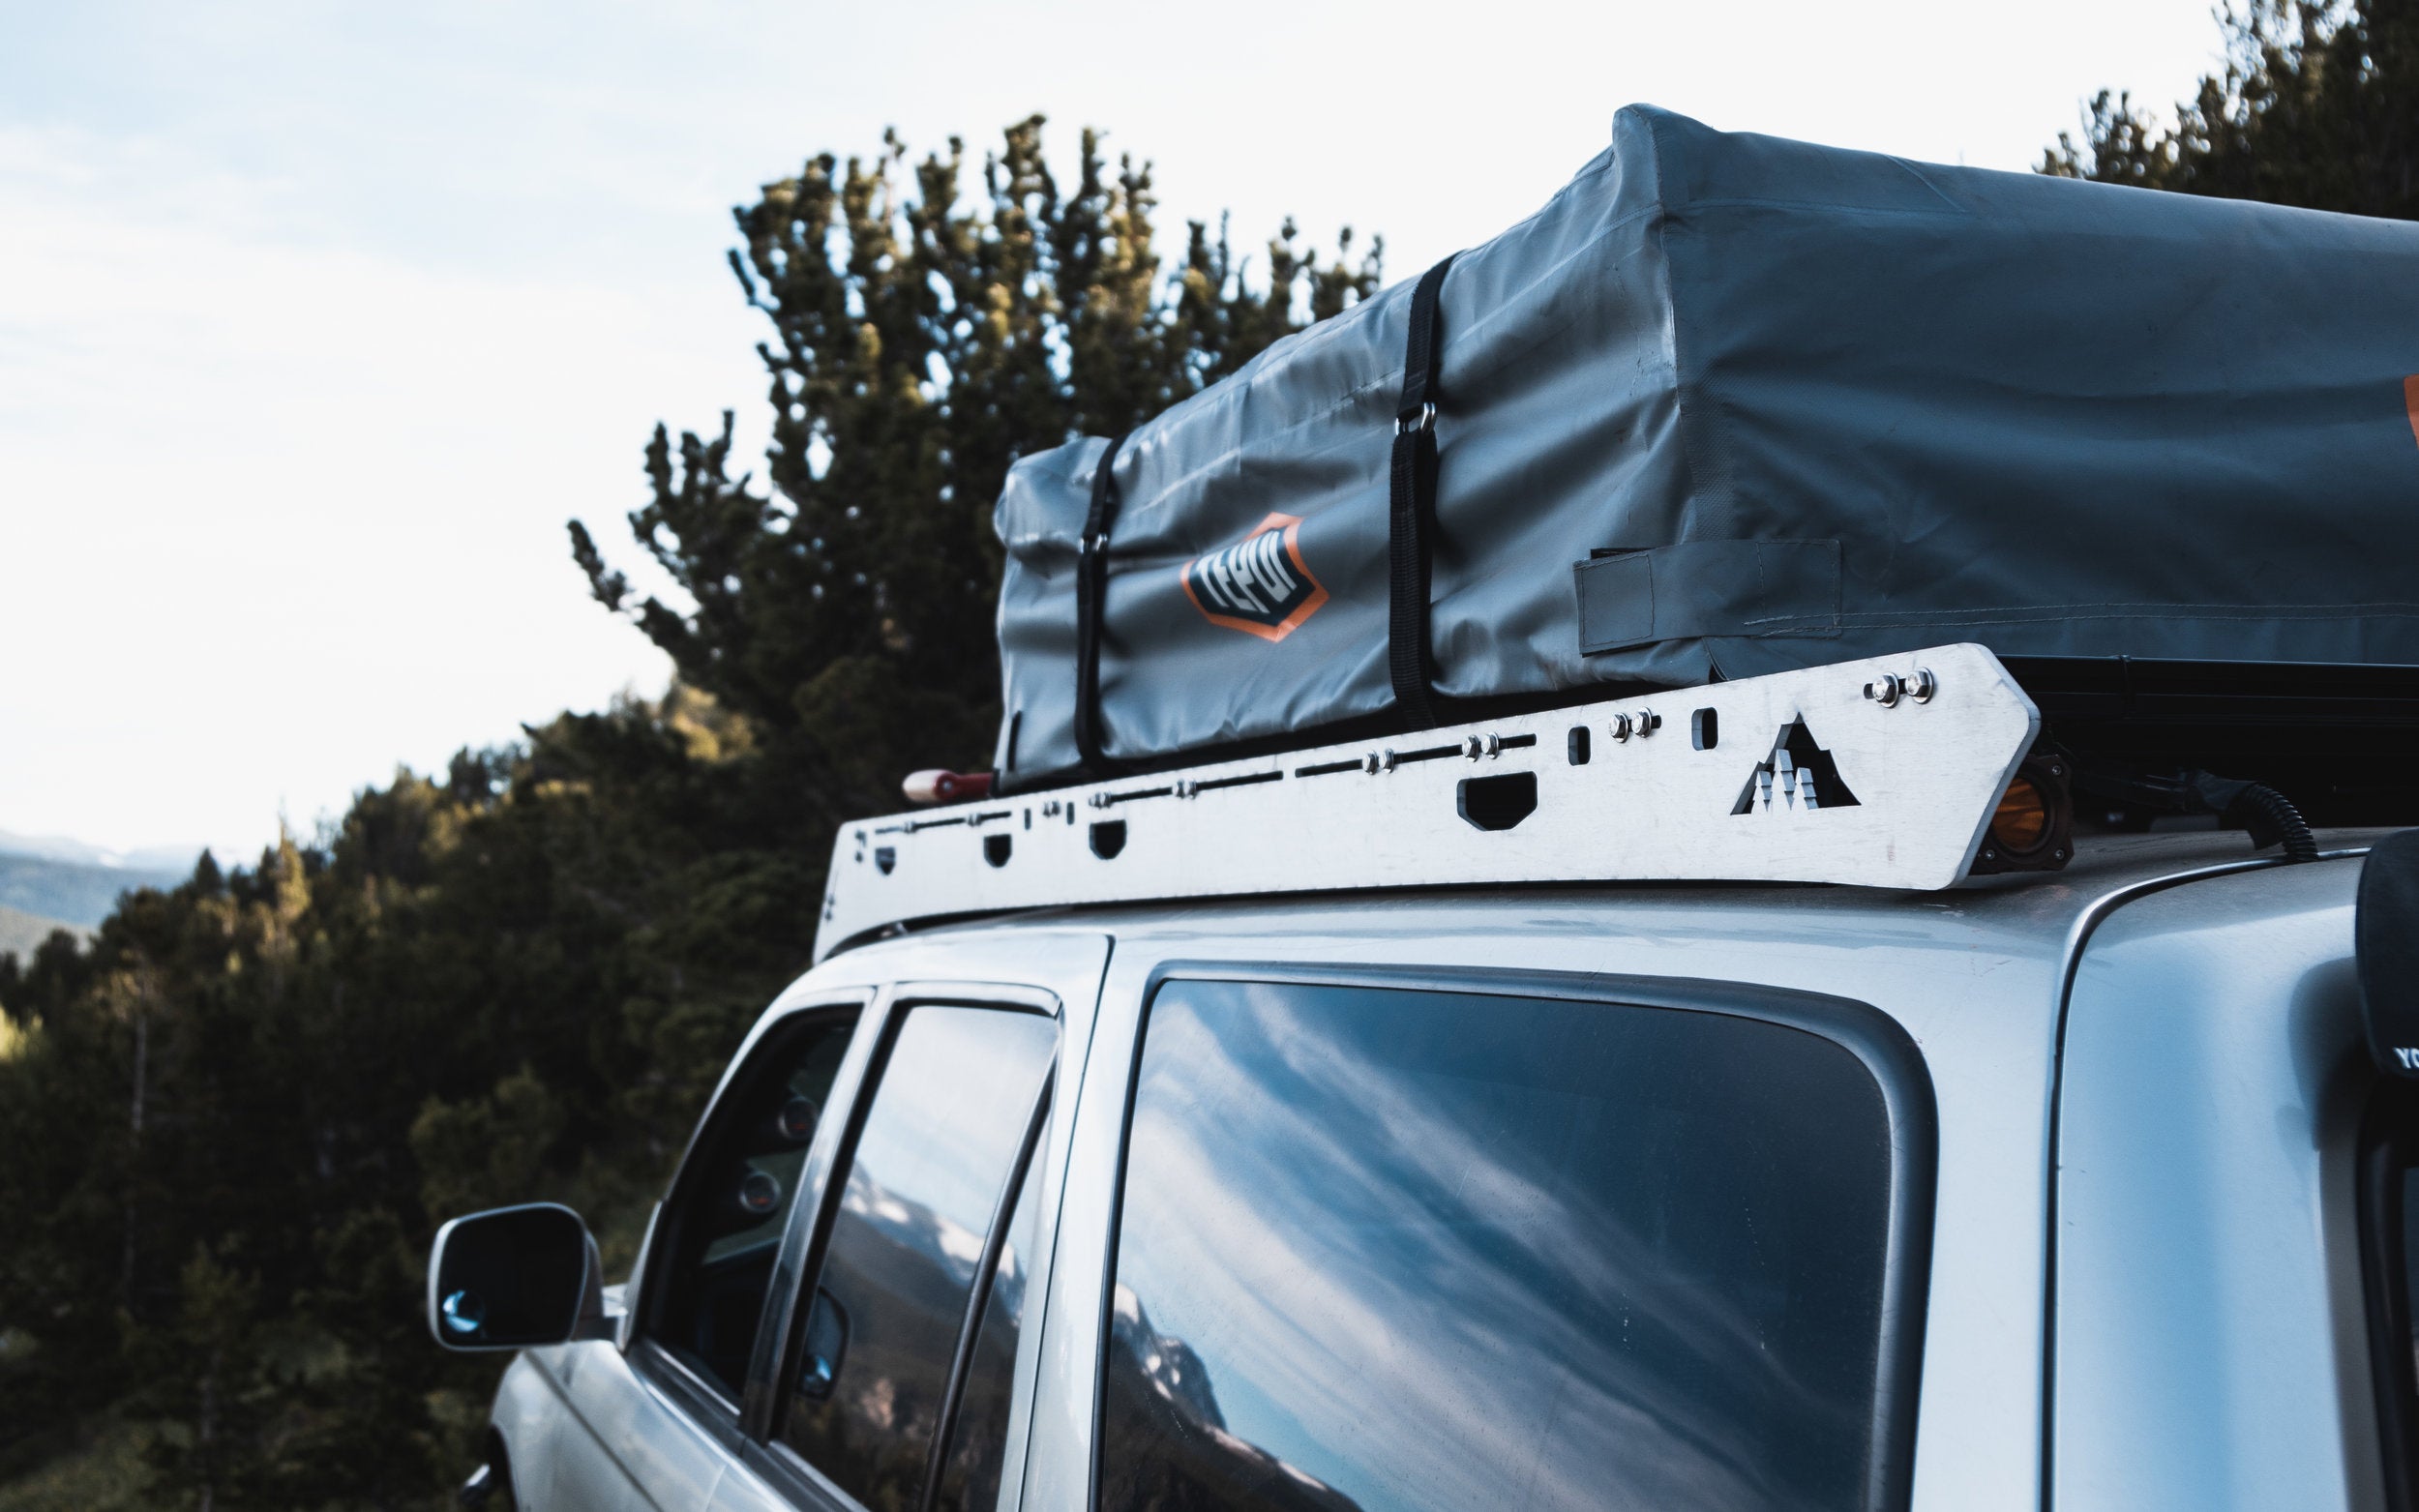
1092 586
1411 520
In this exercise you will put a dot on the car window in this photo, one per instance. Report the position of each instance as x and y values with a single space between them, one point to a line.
970 1472
936 1163
723 1221
1407 1250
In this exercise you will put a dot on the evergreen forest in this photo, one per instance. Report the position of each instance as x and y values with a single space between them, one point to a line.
233 1120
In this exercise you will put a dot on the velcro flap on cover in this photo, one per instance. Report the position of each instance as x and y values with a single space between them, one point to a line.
1703 590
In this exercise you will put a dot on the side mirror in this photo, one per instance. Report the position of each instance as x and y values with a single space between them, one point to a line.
512 1278
2386 942
826 1346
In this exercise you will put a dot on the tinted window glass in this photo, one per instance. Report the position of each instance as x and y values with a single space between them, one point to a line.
725 1223
969 1477
932 1161
1401 1250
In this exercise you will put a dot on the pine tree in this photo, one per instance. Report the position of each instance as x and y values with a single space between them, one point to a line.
921 343
232 1123
2317 106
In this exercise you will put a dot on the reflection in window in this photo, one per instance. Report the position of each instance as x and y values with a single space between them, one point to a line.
1404 1251
937 1149
736 1195
970 1476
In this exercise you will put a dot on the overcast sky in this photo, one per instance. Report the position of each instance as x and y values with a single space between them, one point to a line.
316 322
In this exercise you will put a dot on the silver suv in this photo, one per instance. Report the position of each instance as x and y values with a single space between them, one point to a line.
2052 1191
2078 1186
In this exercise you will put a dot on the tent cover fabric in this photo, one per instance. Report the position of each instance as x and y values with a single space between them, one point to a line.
1730 404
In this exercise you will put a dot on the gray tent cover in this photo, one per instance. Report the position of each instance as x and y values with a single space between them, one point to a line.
1731 405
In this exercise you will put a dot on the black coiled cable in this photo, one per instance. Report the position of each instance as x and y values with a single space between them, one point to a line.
2267 814
2272 819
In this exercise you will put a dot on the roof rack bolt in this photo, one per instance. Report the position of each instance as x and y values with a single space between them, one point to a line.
1101 800
1494 745
1926 685
1049 810
1620 726
1886 689
1649 721
1187 787
1369 764
1471 748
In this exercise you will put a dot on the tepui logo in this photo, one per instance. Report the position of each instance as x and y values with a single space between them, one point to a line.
1260 585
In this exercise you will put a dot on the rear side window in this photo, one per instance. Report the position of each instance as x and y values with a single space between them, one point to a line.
899 1332
1401 1250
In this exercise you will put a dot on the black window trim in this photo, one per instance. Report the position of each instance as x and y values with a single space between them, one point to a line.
798 1265
1884 1046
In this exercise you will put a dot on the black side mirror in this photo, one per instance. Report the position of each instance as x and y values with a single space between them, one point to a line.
2385 940
512 1278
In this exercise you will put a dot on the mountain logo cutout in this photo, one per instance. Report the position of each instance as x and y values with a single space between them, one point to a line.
1798 774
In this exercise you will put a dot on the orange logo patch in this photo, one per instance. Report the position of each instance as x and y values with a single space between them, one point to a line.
1260 585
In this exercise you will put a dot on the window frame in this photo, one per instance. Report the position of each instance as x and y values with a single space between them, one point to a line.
797 1267
1882 1045
702 1399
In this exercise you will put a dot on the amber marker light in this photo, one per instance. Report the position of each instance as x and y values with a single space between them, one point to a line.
2023 818
2033 827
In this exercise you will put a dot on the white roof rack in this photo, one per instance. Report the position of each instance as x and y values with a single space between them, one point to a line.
1883 773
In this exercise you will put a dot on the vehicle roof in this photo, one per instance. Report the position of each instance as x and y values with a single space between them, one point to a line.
2023 914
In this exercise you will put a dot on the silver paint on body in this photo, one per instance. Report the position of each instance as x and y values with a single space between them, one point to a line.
2205 1313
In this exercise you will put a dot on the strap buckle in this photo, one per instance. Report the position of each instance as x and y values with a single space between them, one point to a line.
1408 424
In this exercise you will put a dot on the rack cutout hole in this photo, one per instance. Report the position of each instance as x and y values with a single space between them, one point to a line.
1578 745
886 858
1108 837
1705 730
998 848
1798 774
1498 803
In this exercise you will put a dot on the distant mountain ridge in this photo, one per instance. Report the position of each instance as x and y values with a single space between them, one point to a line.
23 934
69 881
178 859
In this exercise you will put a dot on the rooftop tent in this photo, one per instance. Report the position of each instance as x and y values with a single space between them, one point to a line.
1730 404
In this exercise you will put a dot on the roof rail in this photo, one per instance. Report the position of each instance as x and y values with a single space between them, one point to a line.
1882 773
